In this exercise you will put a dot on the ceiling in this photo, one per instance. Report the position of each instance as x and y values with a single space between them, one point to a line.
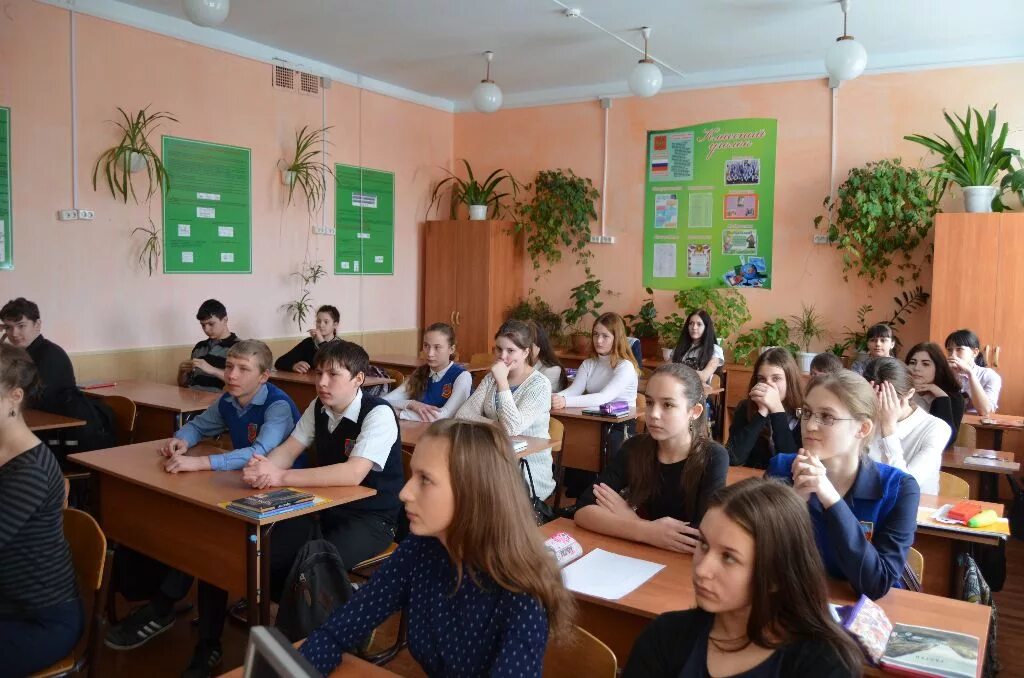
433 47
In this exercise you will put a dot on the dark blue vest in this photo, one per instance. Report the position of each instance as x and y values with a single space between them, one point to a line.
245 427
438 392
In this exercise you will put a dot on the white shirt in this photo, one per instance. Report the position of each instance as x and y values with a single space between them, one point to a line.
463 384
376 438
596 383
916 448
552 372
991 383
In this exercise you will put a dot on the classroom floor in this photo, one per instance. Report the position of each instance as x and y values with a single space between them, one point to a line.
166 655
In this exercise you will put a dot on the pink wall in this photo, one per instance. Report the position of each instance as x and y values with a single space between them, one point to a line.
873 115
84 276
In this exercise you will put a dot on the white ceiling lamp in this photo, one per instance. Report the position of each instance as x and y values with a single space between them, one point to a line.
206 12
487 95
846 58
645 79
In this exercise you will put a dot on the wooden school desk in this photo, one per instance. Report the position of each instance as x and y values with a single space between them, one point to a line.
301 388
997 423
412 431
38 420
583 446
160 408
619 622
176 518
407 364
351 667
980 468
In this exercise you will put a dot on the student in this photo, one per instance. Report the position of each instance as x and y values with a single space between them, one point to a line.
667 473
258 416
766 424
58 393
909 438
864 513
762 600
516 396
300 358
40 609
825 363
979 384
610 373
545 359
936 388
881 343
697 346
437 389
481 594
204 371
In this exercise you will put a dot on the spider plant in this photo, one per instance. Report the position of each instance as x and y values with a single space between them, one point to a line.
133 152
311 273
300 309
469 191
307 169
149 255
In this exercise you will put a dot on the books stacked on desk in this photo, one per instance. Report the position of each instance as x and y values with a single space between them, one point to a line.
921 651
271 503
616 409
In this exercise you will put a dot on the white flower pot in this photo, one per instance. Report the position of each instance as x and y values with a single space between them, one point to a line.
136 162
477 212
287 177
979 198
666 353
805 359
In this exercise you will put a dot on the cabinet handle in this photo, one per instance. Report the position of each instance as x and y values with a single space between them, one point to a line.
451 319
987 351
458 318
995 363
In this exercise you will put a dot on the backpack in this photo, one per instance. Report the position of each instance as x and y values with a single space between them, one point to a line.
316 585
380 389
974 589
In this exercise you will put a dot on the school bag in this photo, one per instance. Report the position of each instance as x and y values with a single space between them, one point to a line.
974 589
316 585
380 390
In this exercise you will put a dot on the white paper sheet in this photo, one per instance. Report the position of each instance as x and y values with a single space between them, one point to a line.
608 575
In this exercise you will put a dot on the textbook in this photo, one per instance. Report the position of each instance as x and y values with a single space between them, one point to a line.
268 514
258 505
922 651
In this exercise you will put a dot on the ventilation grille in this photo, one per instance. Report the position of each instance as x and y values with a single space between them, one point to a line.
284 78
309 84
296 81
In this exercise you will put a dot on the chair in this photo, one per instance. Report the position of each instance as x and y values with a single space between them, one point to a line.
915 561
124 418
92 569
579 655
556 433
953 486
967 436
397 377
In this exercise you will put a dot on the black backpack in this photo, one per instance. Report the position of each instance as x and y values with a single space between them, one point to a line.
316 585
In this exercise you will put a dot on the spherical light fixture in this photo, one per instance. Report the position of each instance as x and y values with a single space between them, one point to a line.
645 79
206 12
846 58
487 95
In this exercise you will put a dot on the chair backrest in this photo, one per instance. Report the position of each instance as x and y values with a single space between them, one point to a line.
915 561
89 554
579 655
407 464
124 418
967 436
953 486
395 376
480 359
556 432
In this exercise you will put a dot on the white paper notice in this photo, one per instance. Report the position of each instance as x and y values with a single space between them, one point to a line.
186 257
227 257
378 260
184 230
665 260
345 266
363 236
608 575
207 196
364 200
226 231
355 266
206 212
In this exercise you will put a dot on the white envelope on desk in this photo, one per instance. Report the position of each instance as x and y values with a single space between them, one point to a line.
607 575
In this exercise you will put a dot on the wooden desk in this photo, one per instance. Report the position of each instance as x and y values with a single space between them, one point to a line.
351 667
176 518
570 359
301 388
38 420
980 468
583 446
407 364
412 431
160 408
619 622
997 424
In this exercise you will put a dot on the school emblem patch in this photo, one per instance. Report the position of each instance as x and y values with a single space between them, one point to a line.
253 431
446 391
349 444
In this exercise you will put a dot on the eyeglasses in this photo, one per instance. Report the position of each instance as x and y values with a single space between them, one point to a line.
823 418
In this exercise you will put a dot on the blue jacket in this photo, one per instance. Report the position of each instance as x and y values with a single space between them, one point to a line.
864 538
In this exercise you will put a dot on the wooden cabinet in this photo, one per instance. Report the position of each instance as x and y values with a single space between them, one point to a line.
978 284
472 274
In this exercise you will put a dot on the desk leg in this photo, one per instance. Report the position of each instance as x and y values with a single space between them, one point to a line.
988 487
257 574
997 439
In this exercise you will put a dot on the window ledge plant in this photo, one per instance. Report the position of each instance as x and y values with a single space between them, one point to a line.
807 326
771 334
585 303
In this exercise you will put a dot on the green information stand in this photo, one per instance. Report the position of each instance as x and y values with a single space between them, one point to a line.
6 228
208 209
364 219
709 205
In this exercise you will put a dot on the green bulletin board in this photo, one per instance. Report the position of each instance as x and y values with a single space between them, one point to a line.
6 229
208 209
709 205
364 220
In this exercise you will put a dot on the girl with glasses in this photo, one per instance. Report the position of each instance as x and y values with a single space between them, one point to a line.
864 513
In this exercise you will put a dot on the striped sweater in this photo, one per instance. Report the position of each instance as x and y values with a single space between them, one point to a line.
35 561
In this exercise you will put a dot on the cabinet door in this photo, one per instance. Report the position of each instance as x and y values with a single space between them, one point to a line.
964 275
440 272
472 330
1008 338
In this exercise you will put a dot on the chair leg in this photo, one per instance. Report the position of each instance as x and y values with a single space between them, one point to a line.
401 640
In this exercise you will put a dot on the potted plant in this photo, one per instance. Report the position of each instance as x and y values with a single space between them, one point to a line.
480 197
975 160
536 309
727 308
584 303
878 219
668 332
301 308
807 327
558 217
906 304
307 169
132 154
644 326
773 333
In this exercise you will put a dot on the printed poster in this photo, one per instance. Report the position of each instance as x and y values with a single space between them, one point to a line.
710 196
364 220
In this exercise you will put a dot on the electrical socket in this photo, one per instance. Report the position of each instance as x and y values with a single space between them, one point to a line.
86 215
602 239
324 230
820 239
67 215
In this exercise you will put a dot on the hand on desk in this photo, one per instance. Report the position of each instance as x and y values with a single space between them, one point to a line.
262 473
179 463
172 447
426 412
301 367
557 402
671 534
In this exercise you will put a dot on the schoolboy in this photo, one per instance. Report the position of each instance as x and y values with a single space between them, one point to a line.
204 371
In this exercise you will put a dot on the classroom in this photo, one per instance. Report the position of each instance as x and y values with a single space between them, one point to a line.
518 337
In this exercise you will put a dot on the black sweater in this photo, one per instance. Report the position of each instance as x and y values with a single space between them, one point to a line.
303 352
950 410
747 447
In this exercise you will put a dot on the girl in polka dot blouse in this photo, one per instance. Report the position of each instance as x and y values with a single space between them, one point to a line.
480 592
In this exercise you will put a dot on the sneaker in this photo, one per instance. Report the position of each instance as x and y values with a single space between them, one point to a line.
205 659
137 628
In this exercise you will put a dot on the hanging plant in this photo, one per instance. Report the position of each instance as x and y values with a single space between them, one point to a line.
879 217
307 169
558 217
299 309
471 192
149 254
133 153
